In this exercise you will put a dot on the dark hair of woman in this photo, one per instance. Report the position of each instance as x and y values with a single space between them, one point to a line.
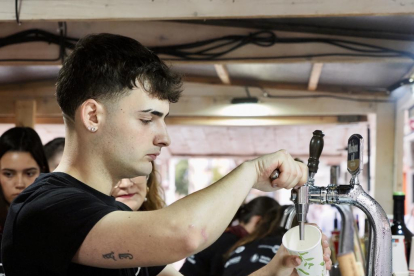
24 139
155 199
54 146
269 225
107 66
256 207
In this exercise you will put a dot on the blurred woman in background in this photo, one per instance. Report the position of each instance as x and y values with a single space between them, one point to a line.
143 194
209 262
256 250
22 159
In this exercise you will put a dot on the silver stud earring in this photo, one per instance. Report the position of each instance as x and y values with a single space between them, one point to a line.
93 129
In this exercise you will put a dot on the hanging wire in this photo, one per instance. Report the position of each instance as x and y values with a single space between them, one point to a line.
17 12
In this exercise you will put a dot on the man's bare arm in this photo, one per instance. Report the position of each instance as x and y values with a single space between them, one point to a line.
131 239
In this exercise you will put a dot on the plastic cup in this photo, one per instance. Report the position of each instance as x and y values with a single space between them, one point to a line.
309 250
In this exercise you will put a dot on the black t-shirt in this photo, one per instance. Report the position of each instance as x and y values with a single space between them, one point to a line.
209 262
250 257
47 224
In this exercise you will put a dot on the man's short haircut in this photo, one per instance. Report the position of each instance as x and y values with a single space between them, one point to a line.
54 146
103 66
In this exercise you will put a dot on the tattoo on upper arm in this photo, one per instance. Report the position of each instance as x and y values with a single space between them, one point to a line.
120 256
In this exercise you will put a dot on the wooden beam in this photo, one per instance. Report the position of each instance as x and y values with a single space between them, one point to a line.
223 73
155 34
38 120
249 121
377 91
214 100
25 113
69 10
314 76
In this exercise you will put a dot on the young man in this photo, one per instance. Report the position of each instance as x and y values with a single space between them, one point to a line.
115 95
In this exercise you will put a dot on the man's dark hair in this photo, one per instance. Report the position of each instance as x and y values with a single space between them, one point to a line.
24 139
54 146
103 66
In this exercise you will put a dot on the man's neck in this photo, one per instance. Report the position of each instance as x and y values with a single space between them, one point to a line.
88 171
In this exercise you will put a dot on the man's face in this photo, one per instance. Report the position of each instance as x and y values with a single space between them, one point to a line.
133 133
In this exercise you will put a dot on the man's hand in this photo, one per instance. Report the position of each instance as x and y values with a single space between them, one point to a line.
284 264
292 173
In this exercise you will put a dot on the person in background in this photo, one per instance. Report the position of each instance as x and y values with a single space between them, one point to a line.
256 250
22 159
143 194
209 262
54 152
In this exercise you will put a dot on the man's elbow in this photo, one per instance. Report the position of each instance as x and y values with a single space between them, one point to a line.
190 239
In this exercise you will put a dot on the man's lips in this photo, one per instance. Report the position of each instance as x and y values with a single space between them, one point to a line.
153 156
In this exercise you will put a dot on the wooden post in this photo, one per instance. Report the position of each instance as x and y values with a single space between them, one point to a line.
25 113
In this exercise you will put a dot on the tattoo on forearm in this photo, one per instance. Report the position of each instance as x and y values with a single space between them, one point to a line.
120 256
126 256
109 256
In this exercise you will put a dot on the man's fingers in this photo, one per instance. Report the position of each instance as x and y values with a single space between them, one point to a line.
305 171
291 261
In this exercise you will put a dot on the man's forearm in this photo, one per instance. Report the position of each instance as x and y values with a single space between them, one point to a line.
204 215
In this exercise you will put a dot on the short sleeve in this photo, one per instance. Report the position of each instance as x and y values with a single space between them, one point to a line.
55 224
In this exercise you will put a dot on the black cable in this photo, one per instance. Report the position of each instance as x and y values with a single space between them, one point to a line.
213 49
35 35
267 39
17 12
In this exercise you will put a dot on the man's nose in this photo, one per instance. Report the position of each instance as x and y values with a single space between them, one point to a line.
162 139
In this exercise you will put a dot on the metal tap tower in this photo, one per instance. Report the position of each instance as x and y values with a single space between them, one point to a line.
379 259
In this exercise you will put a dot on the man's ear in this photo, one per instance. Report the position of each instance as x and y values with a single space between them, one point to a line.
91 113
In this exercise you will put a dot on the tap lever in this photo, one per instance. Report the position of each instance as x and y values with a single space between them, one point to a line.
355 152
315 150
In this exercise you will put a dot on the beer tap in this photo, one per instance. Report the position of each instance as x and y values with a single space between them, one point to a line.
302 199
379 259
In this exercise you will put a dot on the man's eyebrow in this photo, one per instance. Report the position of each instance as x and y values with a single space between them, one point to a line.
153 112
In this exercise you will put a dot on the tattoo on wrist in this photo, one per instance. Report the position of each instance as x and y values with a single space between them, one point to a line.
121 256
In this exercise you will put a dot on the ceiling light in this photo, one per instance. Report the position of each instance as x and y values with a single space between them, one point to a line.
245 100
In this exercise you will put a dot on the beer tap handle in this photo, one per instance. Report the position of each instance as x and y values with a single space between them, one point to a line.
315 150
302 201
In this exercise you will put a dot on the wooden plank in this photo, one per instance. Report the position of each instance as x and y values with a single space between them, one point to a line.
38 120
25 113
249 121
66 10
214 100
223 73
155 34
347 90
314 76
